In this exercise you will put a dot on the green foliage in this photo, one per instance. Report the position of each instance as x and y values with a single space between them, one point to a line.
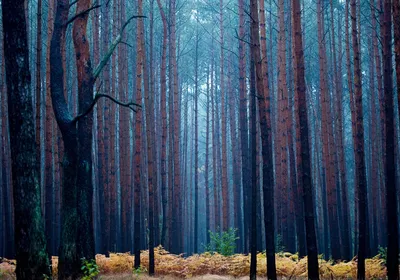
138 271
279 247
382 253
223 243
45 277
90 269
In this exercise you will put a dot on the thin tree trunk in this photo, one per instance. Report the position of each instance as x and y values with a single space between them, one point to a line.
392 262
49 119
243 125
305 169
359 148
206 186
265 124
327 139
163 84
151 182
38 90
253 116
196 145
138 139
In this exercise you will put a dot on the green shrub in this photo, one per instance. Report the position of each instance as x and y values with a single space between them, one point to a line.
90 269
382 251
223 243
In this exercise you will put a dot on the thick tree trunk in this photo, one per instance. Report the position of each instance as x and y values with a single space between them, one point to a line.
30 242
69 261
85 238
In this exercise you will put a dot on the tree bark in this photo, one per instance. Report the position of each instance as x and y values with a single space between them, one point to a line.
138 139
243 127
85 238
392 262
163 85
304 170
30 242
359 148
261 80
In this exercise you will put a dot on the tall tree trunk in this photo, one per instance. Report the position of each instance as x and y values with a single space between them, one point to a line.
253 122
392 262
305 169
177 206
345 231
396 31
85 241
297 191
69 261
327 139
225 195
151 182
206 183
163 84
359 148
243 125
138 138
265 124
30 242
48 130
38 92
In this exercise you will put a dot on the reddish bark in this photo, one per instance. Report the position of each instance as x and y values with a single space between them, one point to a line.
163 84
390 183
266 142
359 147
225 195
328 150
138 138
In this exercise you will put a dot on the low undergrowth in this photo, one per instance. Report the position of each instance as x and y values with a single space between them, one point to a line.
289 266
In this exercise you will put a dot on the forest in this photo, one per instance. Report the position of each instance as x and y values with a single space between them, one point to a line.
204 139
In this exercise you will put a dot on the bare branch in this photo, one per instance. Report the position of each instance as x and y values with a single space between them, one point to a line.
131 105
241 39
81 14
111 49
127 44
73 3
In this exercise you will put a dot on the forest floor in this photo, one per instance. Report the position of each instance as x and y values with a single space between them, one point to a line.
215 267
